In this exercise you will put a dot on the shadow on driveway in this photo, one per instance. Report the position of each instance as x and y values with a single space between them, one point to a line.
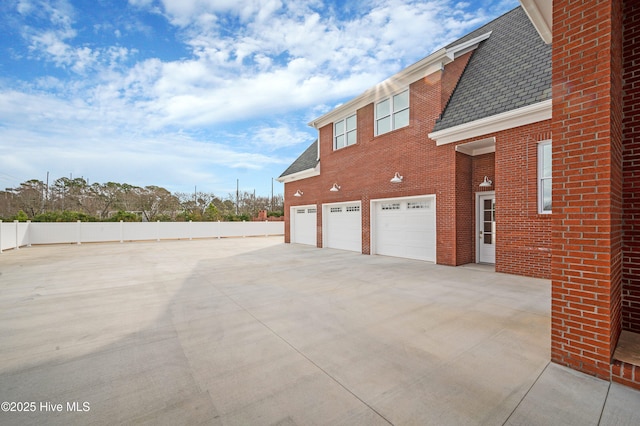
254 331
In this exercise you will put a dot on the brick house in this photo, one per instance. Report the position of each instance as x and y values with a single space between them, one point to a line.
467 182
452 161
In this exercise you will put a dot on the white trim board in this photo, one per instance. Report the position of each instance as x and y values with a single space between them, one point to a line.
507 120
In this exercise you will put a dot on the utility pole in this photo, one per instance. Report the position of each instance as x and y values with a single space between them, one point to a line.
46 194
237 195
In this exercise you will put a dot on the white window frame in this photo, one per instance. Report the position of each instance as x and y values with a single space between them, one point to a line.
393 111
542 178
345 132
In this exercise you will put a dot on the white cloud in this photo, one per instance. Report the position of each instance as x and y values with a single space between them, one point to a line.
294 59
38 140
272 138
249 60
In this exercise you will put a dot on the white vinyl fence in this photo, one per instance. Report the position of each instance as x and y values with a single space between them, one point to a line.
19 234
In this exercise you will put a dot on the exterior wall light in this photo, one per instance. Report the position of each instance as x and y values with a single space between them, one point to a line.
335 188
396 178
298 193
486 183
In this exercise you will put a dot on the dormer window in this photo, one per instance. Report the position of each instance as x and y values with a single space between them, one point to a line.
392 113
345 132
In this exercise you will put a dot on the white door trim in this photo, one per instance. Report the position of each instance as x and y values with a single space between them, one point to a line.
325 220
373 238
292 222
479 221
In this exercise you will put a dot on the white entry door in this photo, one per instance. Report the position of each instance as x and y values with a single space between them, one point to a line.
487 228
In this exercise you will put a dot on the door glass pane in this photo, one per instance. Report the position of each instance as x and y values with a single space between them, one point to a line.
487 204
487 238
488 227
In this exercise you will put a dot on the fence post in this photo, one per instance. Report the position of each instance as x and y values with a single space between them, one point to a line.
79 232
121 232
28 233
158 230
15 223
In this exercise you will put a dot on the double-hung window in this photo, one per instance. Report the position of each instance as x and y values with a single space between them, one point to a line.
345 132
544 177
392 113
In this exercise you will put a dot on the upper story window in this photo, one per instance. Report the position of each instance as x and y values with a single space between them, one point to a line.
544 177
392 113
345 132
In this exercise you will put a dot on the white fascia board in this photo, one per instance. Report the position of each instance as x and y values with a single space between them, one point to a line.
507 120
484 146
540 13
467 46
427 66
399 81
304 174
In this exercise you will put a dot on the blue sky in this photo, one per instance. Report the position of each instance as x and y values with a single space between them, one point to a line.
186 93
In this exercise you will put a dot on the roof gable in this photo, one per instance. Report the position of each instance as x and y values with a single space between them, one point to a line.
510 70
306 162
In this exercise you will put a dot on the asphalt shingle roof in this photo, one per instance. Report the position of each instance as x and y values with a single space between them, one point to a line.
307 160
510 70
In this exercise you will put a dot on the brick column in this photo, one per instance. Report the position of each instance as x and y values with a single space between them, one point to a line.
587 184
631 170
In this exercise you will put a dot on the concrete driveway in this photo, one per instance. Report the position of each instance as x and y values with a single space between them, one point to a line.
256 332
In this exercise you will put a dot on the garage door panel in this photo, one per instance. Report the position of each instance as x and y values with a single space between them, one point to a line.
406 228
343 227
304 225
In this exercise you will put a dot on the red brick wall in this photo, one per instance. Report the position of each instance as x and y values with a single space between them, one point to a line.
465 209
363 170
586 230
631 170
523 243
523 240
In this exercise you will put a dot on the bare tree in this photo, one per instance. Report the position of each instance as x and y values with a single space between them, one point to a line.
151 202
30 196
105 197
155 201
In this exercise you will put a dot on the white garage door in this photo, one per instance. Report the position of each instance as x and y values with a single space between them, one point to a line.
406 228
343 226
303 225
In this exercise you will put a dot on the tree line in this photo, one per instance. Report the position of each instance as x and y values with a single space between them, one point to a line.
72 199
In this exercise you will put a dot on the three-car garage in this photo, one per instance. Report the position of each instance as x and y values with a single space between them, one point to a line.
400 227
